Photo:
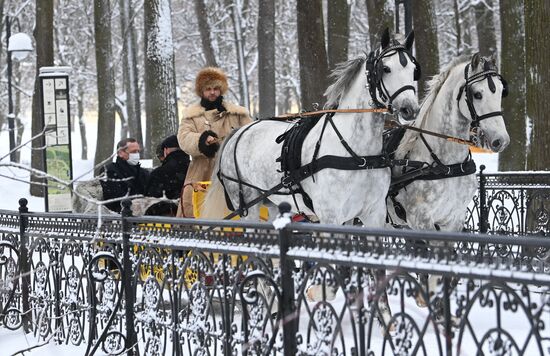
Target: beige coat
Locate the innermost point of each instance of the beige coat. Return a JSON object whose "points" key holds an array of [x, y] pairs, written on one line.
{"points": [[194, 122]]}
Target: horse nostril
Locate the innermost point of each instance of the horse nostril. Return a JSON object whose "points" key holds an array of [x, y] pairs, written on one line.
{"points": [[496, 144]]}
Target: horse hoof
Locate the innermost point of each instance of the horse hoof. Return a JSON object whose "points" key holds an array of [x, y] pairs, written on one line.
{"points": [[314, 293]]}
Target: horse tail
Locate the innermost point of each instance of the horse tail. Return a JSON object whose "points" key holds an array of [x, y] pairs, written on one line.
{"points": [[214, 205]]}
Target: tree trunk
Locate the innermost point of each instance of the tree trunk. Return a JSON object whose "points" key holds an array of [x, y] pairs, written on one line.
{"points": [[43, 34], [266, 58], [467, 27], [236, 17], [457, 28], [537, 47], [337, 31], [511, 20], [105, 82], [80, 113], [204, 30], [427, 51], [485, 25], [379, 19], [130, 71], [160, 80], [312, 53]]}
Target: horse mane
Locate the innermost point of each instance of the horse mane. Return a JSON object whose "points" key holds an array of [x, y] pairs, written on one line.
{"points": [[343, 75], [433, 86]]}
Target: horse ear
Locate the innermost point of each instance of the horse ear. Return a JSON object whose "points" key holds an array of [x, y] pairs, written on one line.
{"points": [[385, 39], [409, 41], [493, 60], [476, 58]]}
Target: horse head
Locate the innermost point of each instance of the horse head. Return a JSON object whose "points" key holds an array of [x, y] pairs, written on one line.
{"points": [[480, 99], [391, 72]]}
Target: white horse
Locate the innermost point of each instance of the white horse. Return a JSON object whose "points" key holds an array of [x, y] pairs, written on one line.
{"points": [[466, 95], [247, 160]]}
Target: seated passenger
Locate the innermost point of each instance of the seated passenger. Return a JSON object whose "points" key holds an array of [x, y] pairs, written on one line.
{"points": [[124, 176], [168, 178]]}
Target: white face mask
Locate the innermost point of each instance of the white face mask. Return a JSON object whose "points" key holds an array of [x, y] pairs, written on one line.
{"points": [[133, 158]]}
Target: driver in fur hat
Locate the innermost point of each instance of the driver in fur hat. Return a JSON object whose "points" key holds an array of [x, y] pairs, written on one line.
{"points": [[203, 127]]}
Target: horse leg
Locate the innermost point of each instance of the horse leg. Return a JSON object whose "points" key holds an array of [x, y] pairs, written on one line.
{"points": [[376, 218]]}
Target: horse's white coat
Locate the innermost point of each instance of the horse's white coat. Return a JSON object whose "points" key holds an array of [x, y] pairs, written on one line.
{"points": [[337, 195], [444, 202]]}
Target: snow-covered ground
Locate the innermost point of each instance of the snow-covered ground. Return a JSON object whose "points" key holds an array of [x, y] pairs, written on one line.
{"points": [[13, 342]]}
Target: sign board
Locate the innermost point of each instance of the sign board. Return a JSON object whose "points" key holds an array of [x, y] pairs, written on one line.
{"points": [[54, 88]]}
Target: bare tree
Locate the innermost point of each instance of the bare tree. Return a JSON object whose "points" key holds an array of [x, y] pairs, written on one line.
{"points": [[537, 72], [43, 34], [160, 78], [236, 9], [457, 27], [485, 25], [337, 31], [379, 19], [513, 70], [286, 56], [130, 70], [73, 49], [312, 52], [427, 51], [204, 30], [105, 82], [266, 58]]}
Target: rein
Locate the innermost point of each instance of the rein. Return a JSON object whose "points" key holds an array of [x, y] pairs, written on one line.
{"points": [[328, 111], [394, 124]]}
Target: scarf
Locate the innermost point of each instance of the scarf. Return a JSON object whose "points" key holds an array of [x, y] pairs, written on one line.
{"points": [[211, 105]]}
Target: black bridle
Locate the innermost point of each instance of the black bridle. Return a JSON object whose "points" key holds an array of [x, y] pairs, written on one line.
{"points": [[375, 73], [467, 89]]}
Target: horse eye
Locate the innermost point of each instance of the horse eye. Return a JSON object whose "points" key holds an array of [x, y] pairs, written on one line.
{"points": [[478, 96], [387, 69]]}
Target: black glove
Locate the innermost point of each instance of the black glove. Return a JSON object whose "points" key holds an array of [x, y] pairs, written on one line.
{"points": [[208, 150]]}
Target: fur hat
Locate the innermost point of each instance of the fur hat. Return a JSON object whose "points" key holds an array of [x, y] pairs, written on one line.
{"points": [[170, 142], [211, 76]]}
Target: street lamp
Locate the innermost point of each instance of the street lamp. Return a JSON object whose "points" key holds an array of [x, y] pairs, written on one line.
{"points": [[19, 45]]}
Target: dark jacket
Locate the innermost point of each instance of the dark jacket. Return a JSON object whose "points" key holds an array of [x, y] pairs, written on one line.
{"points": [[169, 177], [115, 187]]}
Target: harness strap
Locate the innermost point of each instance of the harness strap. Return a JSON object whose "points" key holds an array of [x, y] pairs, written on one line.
{"points": [[237, 170], [433, 172], [344, 143], [400, 90], [434, 156]]}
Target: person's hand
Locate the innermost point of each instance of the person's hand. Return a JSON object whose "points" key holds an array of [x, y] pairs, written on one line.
{"points": [[211, 140], [197, 187]]}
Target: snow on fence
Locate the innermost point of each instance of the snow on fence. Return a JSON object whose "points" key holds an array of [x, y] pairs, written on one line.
{"points": [[165, 286]]}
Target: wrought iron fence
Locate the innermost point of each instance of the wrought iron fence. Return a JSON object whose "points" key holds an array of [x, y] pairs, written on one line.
{"points": [[514, 203], [161, 286]]}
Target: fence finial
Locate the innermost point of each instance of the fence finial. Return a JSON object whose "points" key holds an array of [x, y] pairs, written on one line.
{"points": [[126, 207], [284, 216], [23, 203]]}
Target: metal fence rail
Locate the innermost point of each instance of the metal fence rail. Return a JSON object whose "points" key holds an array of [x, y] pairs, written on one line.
{"points": [[515, 203], [161, 286]]}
